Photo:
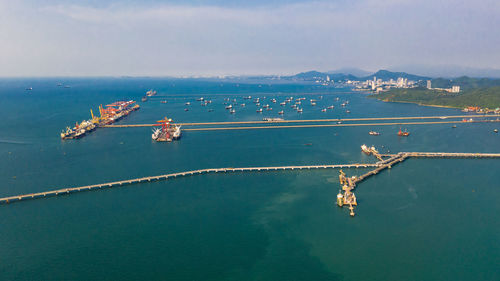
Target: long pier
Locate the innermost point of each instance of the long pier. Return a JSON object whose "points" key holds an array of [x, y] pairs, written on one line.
{"points": [[316, 120], [379, 166], [64, 191]]}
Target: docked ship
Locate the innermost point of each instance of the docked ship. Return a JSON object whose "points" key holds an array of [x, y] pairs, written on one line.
{"points": [[79, 130], [373, 133], [112, 113], [369, 150], [167, 132]]}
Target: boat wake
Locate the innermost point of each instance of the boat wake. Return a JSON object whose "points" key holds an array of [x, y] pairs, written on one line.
{"points": [[3, 141]]}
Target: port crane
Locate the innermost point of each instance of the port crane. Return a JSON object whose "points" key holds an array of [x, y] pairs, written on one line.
{"points": [[165, 129]]}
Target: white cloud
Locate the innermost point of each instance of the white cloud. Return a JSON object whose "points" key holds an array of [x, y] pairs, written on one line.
{"points": [[135, 39]]}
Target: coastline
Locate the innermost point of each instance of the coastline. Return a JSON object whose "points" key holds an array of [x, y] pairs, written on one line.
{"points": [[418, 103]]}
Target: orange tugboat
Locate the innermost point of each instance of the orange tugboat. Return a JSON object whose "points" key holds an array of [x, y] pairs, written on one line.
{"points": [[403, 134]]}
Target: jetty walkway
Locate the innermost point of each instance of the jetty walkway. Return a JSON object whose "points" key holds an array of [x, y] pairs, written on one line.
{"points": [[326, 120], [379, 166], [64, 191]]}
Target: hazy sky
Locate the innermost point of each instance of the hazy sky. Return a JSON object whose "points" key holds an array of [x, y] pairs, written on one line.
{"points": [[217, 37]]}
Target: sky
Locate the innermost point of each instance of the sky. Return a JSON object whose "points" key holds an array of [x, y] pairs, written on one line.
{"points": [[236, 37]]}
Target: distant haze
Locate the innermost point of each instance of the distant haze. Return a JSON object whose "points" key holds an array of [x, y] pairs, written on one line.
{"points": [[218, 37]]}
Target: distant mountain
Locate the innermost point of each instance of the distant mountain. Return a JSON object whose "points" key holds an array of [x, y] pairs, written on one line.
{"points": [[449, 71], [465, 82], [381, 74], [351, 71], [387, 75], [311, 75], [342, 76]]}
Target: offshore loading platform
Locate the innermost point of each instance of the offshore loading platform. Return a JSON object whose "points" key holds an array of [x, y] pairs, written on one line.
{"points": [[345, 197]]}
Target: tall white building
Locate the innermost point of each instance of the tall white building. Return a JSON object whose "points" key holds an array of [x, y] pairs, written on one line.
{"points": [[429, 84], [455, 89]]}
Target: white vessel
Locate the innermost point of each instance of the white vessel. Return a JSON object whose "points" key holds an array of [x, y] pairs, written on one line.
{"points": [[156, 134], [365, 149], [176, 132]]}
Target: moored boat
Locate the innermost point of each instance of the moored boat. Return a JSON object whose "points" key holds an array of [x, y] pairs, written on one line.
{"points": [[403, 133]]}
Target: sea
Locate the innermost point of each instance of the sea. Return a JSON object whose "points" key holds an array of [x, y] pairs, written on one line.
{"points": [[424, 219]]}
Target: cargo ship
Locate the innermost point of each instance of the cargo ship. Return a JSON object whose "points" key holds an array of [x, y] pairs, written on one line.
{"points": [[167, 132], [151, 93], [112, 113]]}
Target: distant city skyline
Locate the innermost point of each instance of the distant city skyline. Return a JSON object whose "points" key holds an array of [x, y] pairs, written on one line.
{"points": [[217, 37]]}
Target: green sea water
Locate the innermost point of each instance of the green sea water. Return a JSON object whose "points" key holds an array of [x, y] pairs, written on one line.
{"points": [[424, 219]]}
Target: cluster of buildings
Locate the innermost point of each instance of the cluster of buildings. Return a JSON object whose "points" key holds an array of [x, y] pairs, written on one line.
{"points": [[379, 85], [453, 89]]}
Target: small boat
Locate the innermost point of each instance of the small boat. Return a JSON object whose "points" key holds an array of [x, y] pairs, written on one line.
{"points": [[373, 133], [269, 108], [454, 126], [283, 103], [313, 103], [29, 89], [323, 110], [347, 111], [281, 112], [259, 110], [330, 107], [163, 101], [188, 103], [299, 110], [243, 105], [229, 107], [496, 130], [200, 99], [403, 134], [232, 111], [186, 109], [145, 98]]}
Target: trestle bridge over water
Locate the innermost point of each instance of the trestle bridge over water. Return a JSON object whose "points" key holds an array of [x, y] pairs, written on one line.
{"points": [[323, 123], [391, 160]]}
